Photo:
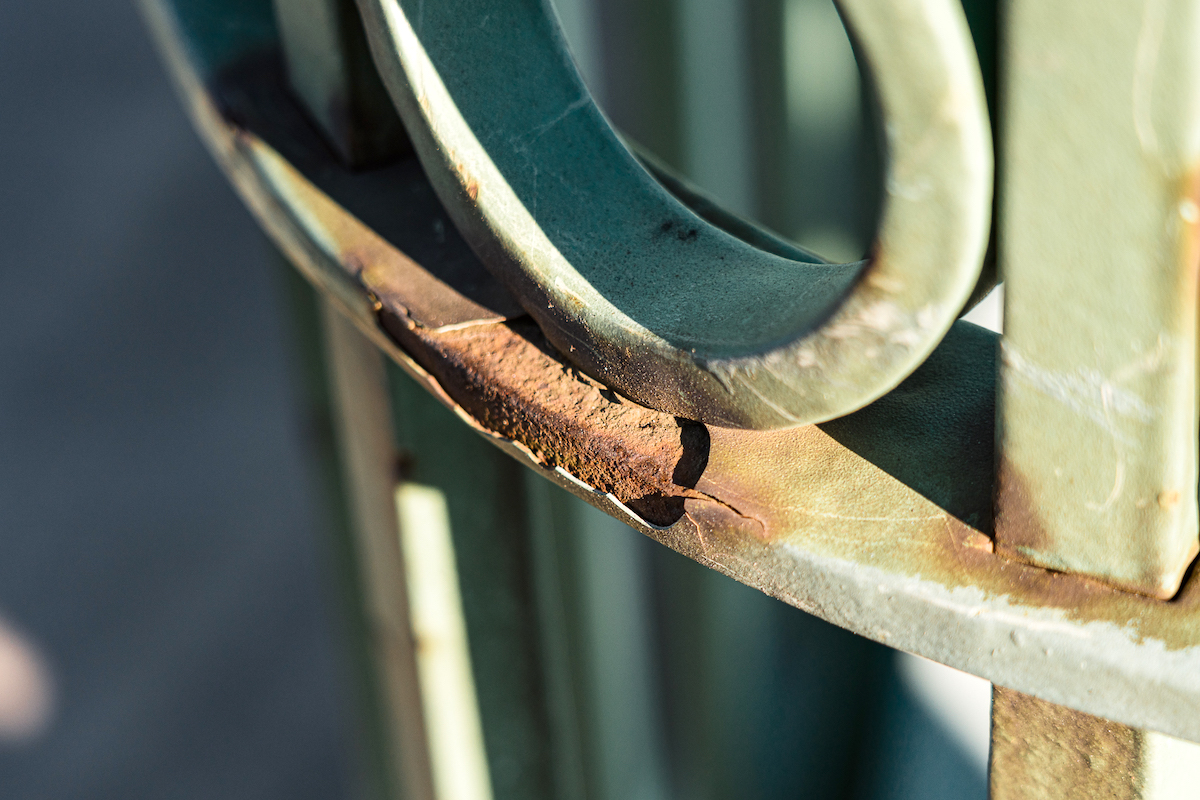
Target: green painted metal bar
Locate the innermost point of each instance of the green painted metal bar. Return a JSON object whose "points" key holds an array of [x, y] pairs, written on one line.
{"points": [[367, 458], [1097, 407], [374, 727], [488, 522], [330, 70], [1098, 404]]}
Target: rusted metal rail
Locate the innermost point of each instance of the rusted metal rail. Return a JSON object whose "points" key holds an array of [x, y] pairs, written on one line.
{"points": [[528, 272]]}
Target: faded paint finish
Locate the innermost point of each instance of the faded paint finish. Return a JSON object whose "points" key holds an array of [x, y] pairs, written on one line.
{"points": [[1098, 406], [1040, 750]]}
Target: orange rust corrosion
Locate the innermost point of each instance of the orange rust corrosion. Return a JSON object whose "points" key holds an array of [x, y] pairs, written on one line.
{"points": [[507, 377]]}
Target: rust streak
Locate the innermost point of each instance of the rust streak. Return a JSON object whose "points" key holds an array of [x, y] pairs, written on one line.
{"points": [[1018, 525]]}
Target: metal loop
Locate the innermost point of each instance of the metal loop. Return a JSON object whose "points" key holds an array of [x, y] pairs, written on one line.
{"points": [[634, 287]]}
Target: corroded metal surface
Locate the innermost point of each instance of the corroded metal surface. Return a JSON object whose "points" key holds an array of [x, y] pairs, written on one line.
{"points": [[1041, 750], [509, 379], [642, 293], [830, 518], [1098, 398]]}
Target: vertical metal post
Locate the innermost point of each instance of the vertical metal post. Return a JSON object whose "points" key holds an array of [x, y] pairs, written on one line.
{"points": [[1098, 408], [440, 525], [638, 39], [1041, 750], [330, 70], [598, 648], [487, 517], [1100, 225], [362, 424]]}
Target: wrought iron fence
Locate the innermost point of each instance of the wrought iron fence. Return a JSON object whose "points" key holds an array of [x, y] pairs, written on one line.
{"points": [[514, 295]]}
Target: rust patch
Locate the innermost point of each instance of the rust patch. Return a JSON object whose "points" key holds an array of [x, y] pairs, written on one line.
{"points": [[1019, 531], [469, 184], [398, 282], [1168, 500], [510, 379], [1076, 594], [717, 518], [1044, 750], [1020, 535], [1017, 522]]}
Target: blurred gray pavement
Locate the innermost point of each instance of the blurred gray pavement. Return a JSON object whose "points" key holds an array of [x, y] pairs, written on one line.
{"points": [[160, 541]]}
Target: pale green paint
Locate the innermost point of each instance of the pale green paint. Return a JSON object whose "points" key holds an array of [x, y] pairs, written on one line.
{"points": [[1098, 415]]}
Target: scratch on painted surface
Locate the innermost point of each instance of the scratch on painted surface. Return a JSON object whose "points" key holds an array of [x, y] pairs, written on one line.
{"points": [[1087, 391], [540, 130], [851, 518], [774, 406]]}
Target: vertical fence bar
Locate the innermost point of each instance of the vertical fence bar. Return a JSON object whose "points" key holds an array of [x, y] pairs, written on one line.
{"points": [[441, 526], [597, 618], [1041, 750], [368, 459], [488, 519], [1098, 409], [1097, 425], [330, 71]]}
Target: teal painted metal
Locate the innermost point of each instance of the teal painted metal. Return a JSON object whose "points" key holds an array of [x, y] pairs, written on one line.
{"points": [[362, 637], [637, 290], [877, 521], [330, 70], [489, 520]]}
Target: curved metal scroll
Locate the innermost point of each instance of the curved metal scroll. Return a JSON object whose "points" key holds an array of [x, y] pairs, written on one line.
{"points": [[639, 291]]}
